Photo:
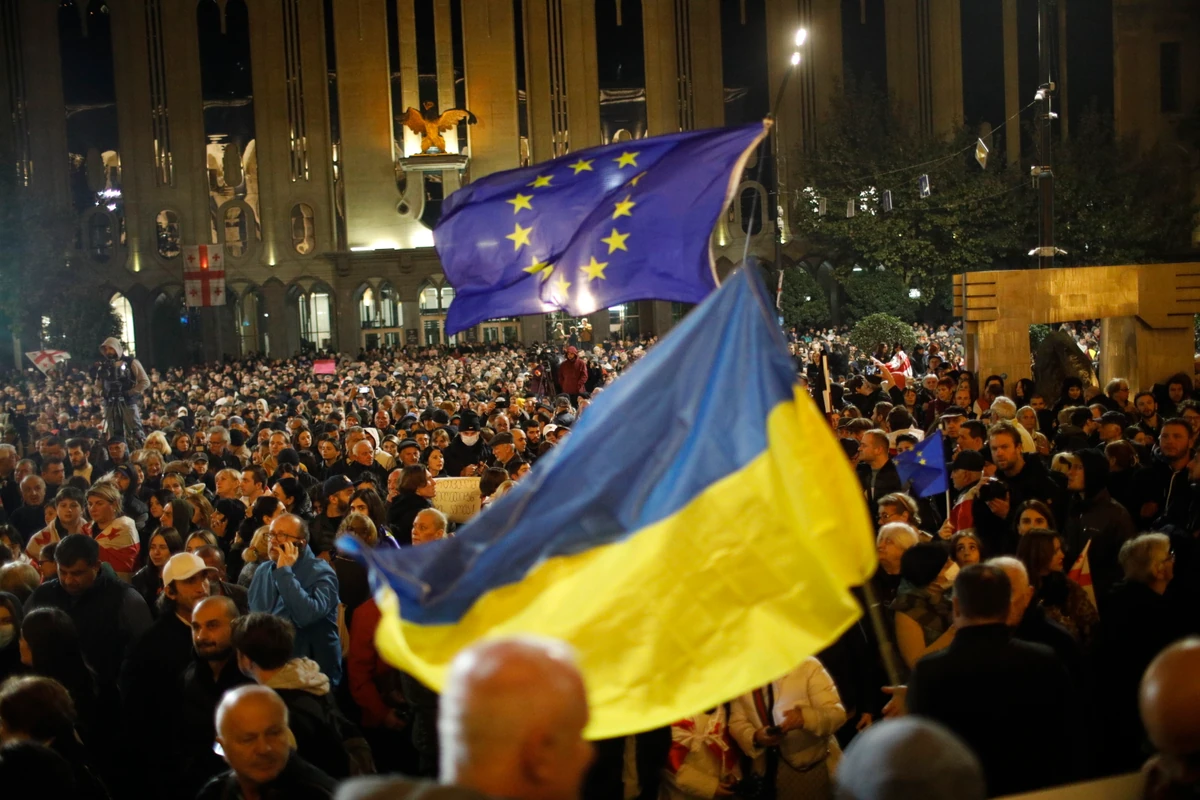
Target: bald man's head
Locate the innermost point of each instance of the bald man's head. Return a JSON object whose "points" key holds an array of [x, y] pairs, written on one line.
{"points": [[252, 727], [1170, 704], [511, 720], [1022, 591]]}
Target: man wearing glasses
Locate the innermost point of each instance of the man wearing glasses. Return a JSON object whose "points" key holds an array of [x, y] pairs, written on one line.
{"points": [[303, 589]]}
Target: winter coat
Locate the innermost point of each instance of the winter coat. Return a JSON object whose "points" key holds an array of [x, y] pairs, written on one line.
{"points": [[703, 756], [573, 374], [313, 716], [307, 595]]}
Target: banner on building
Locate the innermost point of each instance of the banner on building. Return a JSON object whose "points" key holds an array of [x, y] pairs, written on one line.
{"points": [[457, 498], [204, 275]]}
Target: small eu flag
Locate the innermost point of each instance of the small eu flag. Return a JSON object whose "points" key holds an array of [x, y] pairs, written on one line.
{"points": [[925, 467], [599, 227]]}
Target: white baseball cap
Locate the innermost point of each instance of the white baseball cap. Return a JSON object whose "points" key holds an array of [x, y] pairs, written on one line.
{"points": [[182, 566]]}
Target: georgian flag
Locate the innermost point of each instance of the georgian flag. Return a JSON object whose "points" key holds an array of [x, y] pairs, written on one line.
{"points": [[45, 359], [204, 275]]}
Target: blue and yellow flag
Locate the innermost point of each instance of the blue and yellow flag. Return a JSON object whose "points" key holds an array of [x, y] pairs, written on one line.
{"points": [[925, 466], [694, 537], [628, 221]]}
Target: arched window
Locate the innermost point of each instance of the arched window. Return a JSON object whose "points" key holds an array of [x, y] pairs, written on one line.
{"points": [[100, 237], [366, 309], [124, 313], [237, 231], [169, 233], [315, 320], [429, 299], [447, 297], [391, 315], [304, 239]]}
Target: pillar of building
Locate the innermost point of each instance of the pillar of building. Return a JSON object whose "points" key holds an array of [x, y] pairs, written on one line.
{"points": [[142, 305], [601, 323], [368, 167], [346, 325], [45, 113], [1143, 355], [281, 341], [563, 105], [924, 62], [1012, 91], [489, 53], [533, 328]]}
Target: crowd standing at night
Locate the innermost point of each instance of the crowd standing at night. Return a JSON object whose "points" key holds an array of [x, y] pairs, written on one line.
{"points": [[178, 583]]}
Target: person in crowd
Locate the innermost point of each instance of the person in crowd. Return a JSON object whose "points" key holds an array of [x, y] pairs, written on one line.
{"points": [[1095, 520], [900, 759], [69, 504], [197, 540], [1065, 602], [368, 503], [794, 717], [965, 548], [1026, 479], [164, 543], [1138, 622], [220, 450], [29, 517], [109, 614], [11, 613], [151, 675], [294, 497], [354, 588], [302, 589], [428, 526], [1029, 623], [116, 534], [415, 493], [212, 671], [533, 691], [39, 711], [704, 760], [1169, 702], [891, 542], [1017, 727], [923, 617], [467, 455], [50, 646], [337, 491], [1164, 482], [263, 644], [252, 730], [876, 470], [214, 558]]}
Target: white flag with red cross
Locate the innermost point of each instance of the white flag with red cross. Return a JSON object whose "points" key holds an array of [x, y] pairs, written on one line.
{"points": [[204, 275], [45, 359]]}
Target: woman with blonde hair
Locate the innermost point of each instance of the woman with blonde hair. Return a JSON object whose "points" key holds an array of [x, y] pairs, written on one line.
{"points": [[254, 555], [157, 441], [116, 534]]}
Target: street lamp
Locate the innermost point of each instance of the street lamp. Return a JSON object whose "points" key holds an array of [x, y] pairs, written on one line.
{"points": [[800, 38]]}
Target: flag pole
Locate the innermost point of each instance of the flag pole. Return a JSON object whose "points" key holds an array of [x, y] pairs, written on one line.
{"points": [[886, 653]]}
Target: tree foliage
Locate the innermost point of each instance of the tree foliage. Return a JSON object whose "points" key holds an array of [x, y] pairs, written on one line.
{"points": [[875, 291], [882, 329], [803, 302]]}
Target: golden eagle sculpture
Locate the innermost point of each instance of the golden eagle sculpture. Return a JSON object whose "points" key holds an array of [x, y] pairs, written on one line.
{"points": [[430, 125]]}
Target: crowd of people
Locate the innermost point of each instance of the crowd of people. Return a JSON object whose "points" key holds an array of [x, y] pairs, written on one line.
{"points": [[170, 579]]}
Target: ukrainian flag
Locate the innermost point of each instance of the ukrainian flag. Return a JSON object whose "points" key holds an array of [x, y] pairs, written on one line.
{"points": [[694, 537]]}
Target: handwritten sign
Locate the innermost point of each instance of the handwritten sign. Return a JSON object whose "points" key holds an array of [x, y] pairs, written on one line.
{"points": [[457, 498]]}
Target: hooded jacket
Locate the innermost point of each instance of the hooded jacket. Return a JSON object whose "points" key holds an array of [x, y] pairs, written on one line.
{"points": [[572, 373], [307, 595], [141, 381], [313, 715], [1094, 516]]}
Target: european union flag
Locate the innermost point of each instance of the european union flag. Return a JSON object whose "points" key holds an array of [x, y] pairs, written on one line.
{"points": [[925, 466], [709, 550], [627, 221]]}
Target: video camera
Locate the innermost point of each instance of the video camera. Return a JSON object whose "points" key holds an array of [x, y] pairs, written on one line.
{"points": [[115, 376]]}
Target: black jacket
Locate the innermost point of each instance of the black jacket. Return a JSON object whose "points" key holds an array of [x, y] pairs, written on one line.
{"points": [[1006, 699], [317, 724], [110, 616], [1107, 525], [299, 780], [202, 693], [1167, 489], [886, 482], [403, 512]]}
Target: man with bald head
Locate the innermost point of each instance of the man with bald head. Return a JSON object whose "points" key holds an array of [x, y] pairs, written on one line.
{"points": [[1030, 623], [212, 673], [303, 589], [510, 725], [1169, 700], [252, 730]]}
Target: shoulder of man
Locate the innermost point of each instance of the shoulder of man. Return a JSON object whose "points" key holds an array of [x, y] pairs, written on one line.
{"points": [[380, 788]]}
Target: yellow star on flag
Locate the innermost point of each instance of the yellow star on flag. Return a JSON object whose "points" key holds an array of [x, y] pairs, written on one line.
{"points": [[616, 241], [562, 285], [595, 269], [627, 160], [540, 181], [921, 462], [624, 208], [519, 236], [634, 181], [582, 166], [521, 201], [544, 267]]}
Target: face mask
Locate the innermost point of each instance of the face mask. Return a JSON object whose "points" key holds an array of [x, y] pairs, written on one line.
{"points": [[7, 634], [469, 439]]}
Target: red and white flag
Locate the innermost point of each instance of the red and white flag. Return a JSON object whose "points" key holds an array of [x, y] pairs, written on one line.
{"points": [[1081, 573], [45, 359], [204, 275]]}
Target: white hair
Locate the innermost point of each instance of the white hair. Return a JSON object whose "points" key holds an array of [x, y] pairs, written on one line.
{"points": [[901, 534], [1004, 408]]}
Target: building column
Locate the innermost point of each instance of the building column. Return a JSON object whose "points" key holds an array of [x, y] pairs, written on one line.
{"points": [[600, 322], [489, 54], [410, 310], [1012, 91], [45, 113], [142, 305], [347, 328], [924, 61], [564, 114], [280, 343], [1143, 355], [533, 328]]}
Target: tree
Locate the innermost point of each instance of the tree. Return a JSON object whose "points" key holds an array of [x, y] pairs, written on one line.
{"points": [[803, 303], [882, 329], [971, 220], [79, 322], [877, 291], [1116, 204]]}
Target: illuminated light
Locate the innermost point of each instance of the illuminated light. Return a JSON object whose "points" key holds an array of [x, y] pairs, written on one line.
{"points": [[795, 59], [914, 293], [801, 36], [857, 269]]}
